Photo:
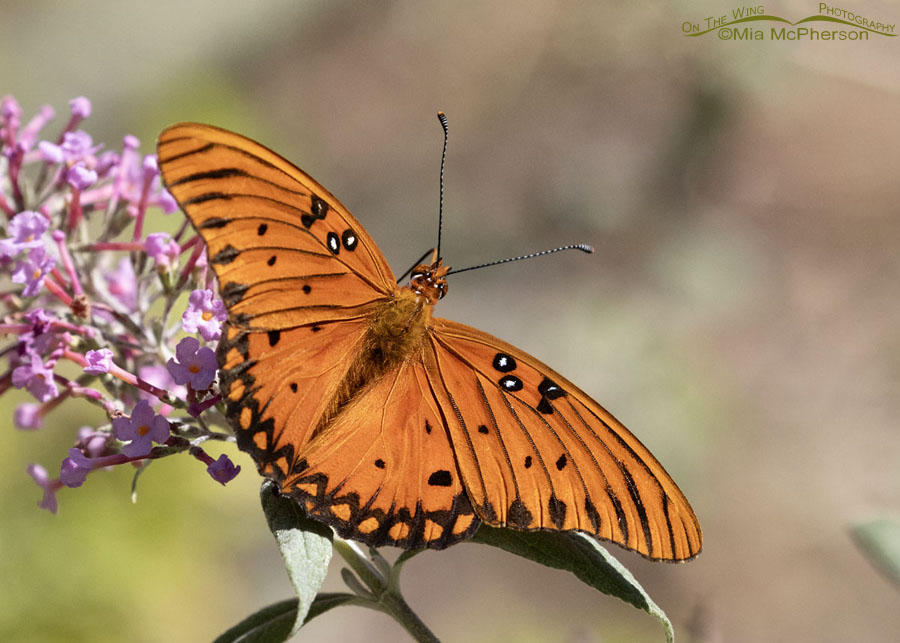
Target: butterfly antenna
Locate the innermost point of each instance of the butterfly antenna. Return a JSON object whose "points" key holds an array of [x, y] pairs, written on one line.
{"points": [[578, 246], [443, 119], [412, 267]]}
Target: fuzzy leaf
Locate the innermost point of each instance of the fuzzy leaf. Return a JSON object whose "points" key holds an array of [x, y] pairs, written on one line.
{"points": [[879, 541], [581, 555], [305, 545]]}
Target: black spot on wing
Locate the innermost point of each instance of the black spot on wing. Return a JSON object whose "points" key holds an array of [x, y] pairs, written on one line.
{"points": [[233, 292], [318, 211], [510, 383], [504, 363], [621, 519], [349, 240], [549, 389], [203, 198], [557, 510], [225, 256], [440, 478], [221, 173], [518, 514], [333, 243], [592, 514], [488, 513], [561, 462], [213, 223], [641, 510]]}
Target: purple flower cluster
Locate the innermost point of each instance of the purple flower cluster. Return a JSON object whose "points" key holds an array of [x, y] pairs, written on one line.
{"points": [[85, 271]]}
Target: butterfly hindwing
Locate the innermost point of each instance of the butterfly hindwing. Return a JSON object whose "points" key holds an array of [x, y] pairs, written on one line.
{"points": [[384, 471], [536, 452], [285, 250], [277, 385]]}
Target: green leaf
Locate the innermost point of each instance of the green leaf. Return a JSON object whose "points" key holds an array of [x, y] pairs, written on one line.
{"points": [[273, 624], [580, 554], [305, 546], [879, 541], [329, 600]]}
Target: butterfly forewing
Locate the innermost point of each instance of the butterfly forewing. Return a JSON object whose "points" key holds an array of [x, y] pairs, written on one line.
{"points": [[297, 272], [281, 245], [536, 452]]}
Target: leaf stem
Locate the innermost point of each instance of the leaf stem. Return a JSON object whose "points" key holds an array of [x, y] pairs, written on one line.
{"points": [[385, 588], [393, 604]]}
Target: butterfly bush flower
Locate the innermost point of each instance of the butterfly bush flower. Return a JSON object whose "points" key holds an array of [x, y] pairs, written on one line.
{"points": [[39, 474], [98, 361], [193, 365], [74, 469], [160, 247], [75, 146], [80, 177], [122, 284], [91, 280], [25, 232], [141, 430], [28, 416], [32, 270], [158, 375], [36, 377], [204, 314], [223, 470]]}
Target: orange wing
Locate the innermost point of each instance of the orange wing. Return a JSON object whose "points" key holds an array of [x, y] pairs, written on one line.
{"points": [[285, 252], [535, 452], [284, 248], [384, 471]]}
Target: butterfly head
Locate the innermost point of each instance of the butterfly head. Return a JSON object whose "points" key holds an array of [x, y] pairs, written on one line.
{"points": [[427, 280]]}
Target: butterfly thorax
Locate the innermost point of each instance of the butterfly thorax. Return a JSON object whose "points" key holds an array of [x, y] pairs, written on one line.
{"points": [[395, 334]]}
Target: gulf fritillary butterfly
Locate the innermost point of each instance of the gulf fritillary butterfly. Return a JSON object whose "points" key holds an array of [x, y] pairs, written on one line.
{"points": [[393, 426]]}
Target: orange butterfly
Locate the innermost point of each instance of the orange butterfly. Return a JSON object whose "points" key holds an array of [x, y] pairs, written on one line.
{"points": [[393, 426]]}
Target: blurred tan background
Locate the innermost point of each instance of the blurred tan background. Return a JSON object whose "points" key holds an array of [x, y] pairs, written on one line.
{"points": [[740, 314]]}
